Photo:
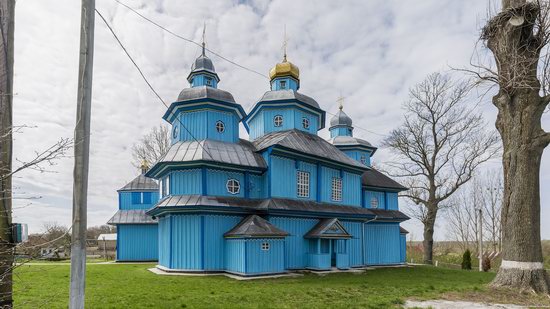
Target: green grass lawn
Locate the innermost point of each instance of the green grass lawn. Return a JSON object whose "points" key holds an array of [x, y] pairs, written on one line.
{"points": [[133, 286]]}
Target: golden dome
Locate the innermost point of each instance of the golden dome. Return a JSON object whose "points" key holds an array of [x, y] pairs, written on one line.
{"points": [[284, 68]]}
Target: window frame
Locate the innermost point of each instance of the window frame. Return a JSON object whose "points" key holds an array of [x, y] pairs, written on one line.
{"points": [[305, 123], [363, 159], [275, 121], [282, 84], [208, 81], [376, 203], [337, 185], [303, 182], [265, 246], [220, 124], [175, 131], [232, 184]]}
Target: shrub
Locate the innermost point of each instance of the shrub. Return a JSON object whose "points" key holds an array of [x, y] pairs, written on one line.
{"points": [[486, 265], [467, 260]]}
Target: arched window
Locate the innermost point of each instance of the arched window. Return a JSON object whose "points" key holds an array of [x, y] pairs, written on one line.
{"points": [[278, 121], [305, 123], [220, 126], [233, 186], [364, 159]]}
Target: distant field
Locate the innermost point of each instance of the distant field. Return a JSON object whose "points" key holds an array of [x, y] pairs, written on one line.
{"points": [[132, 286]]}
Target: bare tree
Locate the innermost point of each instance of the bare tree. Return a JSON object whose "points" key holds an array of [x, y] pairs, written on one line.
{"points": [[492, 206], [518, 38], [438, 147], [461, 218], [151, 146]]}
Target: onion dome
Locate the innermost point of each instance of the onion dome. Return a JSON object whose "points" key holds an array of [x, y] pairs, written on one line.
{"points": [[203, 65], [341, 119], [285, 68]]}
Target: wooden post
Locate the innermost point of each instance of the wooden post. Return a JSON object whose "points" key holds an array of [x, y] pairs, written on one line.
{"points": [[82, 152], [7, 12], [480, 250]]}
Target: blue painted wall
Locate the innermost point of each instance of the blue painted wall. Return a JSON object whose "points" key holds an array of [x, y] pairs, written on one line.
{"points": [[137, 200], [137, 242], [296, 247], [235, 255], [383, 243], [355, 246], [164, 240], [358, 156], [263, 121], [341, 131], [185, 243], [202, 125], [185, 182], [214, 243], [371, 196], [260, 261], [216, 183], [392, 201], [201, 80], [289, 83]]}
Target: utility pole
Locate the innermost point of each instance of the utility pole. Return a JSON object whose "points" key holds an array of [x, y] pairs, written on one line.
{"points": [[81, 156], [7, 15], [480, 236]]}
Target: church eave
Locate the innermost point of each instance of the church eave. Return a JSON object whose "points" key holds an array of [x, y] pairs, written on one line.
{"points": [[312, 158], [321, 114], [206, 103], [161, 168]]}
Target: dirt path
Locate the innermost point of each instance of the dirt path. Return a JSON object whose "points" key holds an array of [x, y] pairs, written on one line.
{"points": [[448, 304]]}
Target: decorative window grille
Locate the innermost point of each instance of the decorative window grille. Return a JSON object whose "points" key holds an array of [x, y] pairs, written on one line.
{"points": [[233, 186], [265, 246], [302, 184], [278, 121], [283, 84], [364, 159], [337, 189], [374, 202], [220, 126], [305, 123]]}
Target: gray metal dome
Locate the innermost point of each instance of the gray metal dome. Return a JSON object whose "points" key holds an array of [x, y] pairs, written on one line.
{"points": [[203, 63], [289, 94], [204, 92], [341, 119]]}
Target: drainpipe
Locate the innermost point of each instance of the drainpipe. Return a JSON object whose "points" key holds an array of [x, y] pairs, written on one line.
{"points": [[363, 236]]}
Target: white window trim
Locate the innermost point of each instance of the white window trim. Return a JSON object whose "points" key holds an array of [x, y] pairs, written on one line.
{"points": [[337, 186], [220, 124], [265, 246], [231, 184], [305, 122], [302, 184], [275, 121], [374, 202]]}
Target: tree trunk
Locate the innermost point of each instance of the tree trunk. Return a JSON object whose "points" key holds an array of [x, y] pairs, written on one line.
{"points": [[519, 124], [7, 9], [428, 242]]}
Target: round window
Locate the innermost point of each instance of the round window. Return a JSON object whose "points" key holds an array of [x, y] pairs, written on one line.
{"points": [[233, 186], [175, 131], [220, 126], [305, 123], [374, 202], [278, 121]]}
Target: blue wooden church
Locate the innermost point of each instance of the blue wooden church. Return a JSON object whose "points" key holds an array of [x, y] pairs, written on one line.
{"points": [[284, 200]]}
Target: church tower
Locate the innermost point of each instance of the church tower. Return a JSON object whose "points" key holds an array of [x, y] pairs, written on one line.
{"points": [[341, 133], [283, 107], [203, 111]]}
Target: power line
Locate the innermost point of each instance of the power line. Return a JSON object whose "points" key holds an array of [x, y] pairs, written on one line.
{"points": [[214, 53], [190, 41]]}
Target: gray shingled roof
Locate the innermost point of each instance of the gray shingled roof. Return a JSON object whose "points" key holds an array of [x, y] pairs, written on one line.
{"points": [[205, 92], [241, 153], [374, 178], [255, 226], [134, 216], [343, 140], [306, 143], [141, 183], [203, 63], [321, 228], [290, 94], [274, 205]]}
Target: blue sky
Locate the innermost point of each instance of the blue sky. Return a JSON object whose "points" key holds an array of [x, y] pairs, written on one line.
{"points": [[371, 52]]}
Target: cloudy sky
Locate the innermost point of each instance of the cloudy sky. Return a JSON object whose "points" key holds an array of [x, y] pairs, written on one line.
{"points": [[371, 52]]}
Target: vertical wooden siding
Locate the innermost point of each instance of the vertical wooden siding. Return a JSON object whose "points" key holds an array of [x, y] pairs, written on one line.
{"points": [[296, 247], [125, 201], [382, 243], [137, 242]]}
